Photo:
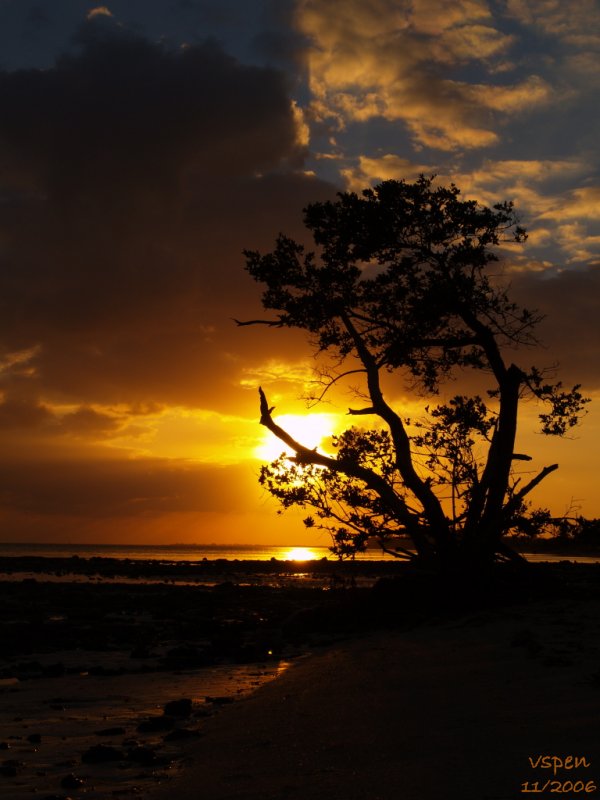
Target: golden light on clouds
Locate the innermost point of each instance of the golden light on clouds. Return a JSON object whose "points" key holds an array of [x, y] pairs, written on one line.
{"points": [[374, 60], [119, 349], [99, 11]]}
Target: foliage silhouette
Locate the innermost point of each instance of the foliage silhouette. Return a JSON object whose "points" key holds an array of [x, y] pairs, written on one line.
{"points": [[400, 282]]}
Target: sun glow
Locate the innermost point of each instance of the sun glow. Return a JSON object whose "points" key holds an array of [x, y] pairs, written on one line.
{"points": [[309, 430], [300, 554]]}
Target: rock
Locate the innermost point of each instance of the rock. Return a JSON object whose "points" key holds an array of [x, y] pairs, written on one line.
{"points": [[10, 767], [111, 732], [72, 782], [4, 746], [218, 701], [141, 652], [56, 797], [153, 724], [181, 733], [108, 672], [143, 755], [100, 753], [34, 738], [186, 656], [54, 670], [179, 708]]}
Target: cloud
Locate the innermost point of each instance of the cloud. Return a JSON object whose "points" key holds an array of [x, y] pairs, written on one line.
{"points": [[133, 176], [581, 203], [570, 332], [391, 60], [99, 11], [390, 166], [117, 487], [576, 22]]}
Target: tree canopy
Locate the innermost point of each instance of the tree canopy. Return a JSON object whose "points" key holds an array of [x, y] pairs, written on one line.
{"points": [[400, 281]]}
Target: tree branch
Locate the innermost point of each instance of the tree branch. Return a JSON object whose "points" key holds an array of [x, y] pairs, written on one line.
{"points": [[513, 503], [272, 323], [305, 455], [313, 400], [404, 463]]}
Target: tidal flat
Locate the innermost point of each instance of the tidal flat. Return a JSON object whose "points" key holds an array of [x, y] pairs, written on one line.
{"points": [[136, 679], [96, 653]]}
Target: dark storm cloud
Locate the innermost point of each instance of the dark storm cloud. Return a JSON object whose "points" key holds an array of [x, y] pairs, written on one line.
{"points": [[132, 176], [17, 413], [569, 333], [112, 488], [127, 113], [32, 33]]}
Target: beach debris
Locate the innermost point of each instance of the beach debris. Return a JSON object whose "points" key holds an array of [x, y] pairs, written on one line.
{"points": [[71, 781], [179, 708], [100, 753]]}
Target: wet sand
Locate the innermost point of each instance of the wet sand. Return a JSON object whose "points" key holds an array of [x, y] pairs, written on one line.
{"points": [[109, 736], [453, 709], [87, 671], [437, 703]]}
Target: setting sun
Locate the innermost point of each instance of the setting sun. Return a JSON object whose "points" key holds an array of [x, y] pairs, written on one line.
{"points": [[300, 554], [308, 429]]}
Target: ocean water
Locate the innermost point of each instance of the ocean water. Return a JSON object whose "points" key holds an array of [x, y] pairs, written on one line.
{"points": [[174, 552], [211, 552]]}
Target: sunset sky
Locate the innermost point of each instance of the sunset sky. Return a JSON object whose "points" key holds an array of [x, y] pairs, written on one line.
{"points": [[145, 143]]}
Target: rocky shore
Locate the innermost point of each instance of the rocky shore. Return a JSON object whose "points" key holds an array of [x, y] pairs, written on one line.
{"points": [[108, 666], [129, 680]]}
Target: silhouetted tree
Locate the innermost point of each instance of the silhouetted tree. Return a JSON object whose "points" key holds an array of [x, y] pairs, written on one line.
{"points": [[399, 283]]}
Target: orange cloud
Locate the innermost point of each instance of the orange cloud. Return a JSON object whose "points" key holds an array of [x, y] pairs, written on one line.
{"points": [[385, 60], [99, 11]]}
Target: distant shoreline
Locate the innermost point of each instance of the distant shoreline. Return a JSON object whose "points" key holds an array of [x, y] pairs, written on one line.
{"points": [[252, 552]]}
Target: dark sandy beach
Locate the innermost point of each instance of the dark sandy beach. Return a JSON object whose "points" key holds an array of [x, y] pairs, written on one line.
{"points": [[460, 708], [394, 692]]}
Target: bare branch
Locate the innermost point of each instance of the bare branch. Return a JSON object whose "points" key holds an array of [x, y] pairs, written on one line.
{"points": [[330, 382], [513, 503], [272, 323], [400, 552], [357, 411], [305, 455]]}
